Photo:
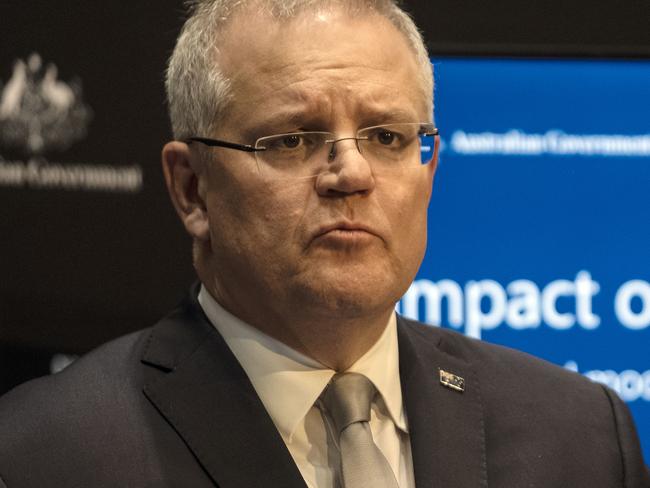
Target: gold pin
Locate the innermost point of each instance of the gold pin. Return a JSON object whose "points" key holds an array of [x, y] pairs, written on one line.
{"points": [[452, 381]]}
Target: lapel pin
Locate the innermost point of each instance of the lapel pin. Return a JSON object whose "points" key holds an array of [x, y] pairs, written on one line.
{"points": [[452, 381]]}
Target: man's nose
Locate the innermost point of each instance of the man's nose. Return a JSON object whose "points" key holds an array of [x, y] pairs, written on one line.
{"points": [[347, 172]]}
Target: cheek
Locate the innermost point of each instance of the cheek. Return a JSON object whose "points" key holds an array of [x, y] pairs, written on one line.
{"points": [[281, 207], [406, 203], [258, 218], [420, 194]]}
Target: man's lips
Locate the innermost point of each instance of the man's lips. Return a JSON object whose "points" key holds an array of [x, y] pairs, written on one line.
{"points": [[345, 231]]}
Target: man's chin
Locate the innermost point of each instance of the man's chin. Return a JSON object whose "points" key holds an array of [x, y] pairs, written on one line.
{"points": [[350, 292]]}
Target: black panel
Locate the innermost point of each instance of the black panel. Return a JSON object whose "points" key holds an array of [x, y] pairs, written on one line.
{"points": [[619, 28]]}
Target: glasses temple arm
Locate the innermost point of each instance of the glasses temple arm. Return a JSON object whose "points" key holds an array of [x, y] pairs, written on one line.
{"points": [[218, 143]]}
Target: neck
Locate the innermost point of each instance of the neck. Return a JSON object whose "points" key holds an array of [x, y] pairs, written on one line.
{"points": [[337, 343], [335, 338]]}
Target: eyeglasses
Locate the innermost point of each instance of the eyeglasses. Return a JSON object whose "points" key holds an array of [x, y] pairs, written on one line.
{"points": [[386, 147]]}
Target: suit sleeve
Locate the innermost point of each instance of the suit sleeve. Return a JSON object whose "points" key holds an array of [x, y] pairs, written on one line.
{"points": [[635, 473], [2, 483]]}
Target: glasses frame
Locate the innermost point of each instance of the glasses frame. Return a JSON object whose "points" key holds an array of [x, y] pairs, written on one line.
{"points": [[432, 132]]}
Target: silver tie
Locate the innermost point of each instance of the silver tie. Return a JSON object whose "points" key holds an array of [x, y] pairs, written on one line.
{"points": [[347, 400]]}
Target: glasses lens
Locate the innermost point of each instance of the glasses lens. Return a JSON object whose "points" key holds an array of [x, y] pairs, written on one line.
{"points": [[385, 147], [395, 146], [427, 144], [293, 154]]}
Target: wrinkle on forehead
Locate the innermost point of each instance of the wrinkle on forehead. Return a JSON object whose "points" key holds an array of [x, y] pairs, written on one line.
{"points": [[316, 105], [316, 82]]}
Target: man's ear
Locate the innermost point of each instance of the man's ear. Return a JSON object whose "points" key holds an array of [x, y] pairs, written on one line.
{"points": [[182, 179]]}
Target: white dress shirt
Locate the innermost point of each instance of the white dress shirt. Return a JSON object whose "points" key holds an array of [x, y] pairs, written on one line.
{"points": [[290, 383]]}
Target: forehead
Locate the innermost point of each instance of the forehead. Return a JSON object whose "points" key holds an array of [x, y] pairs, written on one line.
{"points": [[319, 62]]}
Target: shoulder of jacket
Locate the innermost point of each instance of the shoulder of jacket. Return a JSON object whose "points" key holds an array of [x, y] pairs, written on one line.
{"points": [[85, 384]]}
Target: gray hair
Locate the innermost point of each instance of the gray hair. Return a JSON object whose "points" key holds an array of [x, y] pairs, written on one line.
{"points": [[198, 91]]}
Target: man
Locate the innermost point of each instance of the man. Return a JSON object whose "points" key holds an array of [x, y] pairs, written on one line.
{"points": [[297, 171]]}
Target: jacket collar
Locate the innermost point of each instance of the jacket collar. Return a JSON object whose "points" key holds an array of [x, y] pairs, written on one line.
{"points": [[207, 398], [446, 425]]}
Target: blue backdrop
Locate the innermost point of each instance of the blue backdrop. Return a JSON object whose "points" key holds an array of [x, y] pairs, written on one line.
{"points": [[539, 227]]}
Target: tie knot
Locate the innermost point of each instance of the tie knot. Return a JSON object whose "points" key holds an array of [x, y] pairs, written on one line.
{"points": [[347, 399]]}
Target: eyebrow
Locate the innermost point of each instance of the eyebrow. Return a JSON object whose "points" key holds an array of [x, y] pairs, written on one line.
{"points": [[284, 118], [368, 116], [378, 116]]}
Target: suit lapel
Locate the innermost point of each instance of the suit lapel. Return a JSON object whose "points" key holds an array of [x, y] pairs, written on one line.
{"points": [[207, 398], [446, 426]]}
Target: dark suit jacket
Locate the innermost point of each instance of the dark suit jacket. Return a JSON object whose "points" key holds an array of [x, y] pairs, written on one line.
{"points": [[170, 406]]}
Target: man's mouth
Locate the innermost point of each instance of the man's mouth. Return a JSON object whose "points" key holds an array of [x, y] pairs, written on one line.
{"points": [[345, 233]]}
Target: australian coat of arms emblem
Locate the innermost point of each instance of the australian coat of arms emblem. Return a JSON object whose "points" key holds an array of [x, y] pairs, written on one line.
{"points": [[39, 112]]}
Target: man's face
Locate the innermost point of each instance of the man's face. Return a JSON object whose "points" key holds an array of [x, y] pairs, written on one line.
{"points": [[348, 241]]}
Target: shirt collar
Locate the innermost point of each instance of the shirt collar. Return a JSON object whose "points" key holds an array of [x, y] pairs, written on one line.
{"points": [[289, 382]]}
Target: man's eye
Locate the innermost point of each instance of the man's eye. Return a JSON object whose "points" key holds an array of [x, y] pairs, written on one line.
{"points": [[292, 141], [386, 138]]}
